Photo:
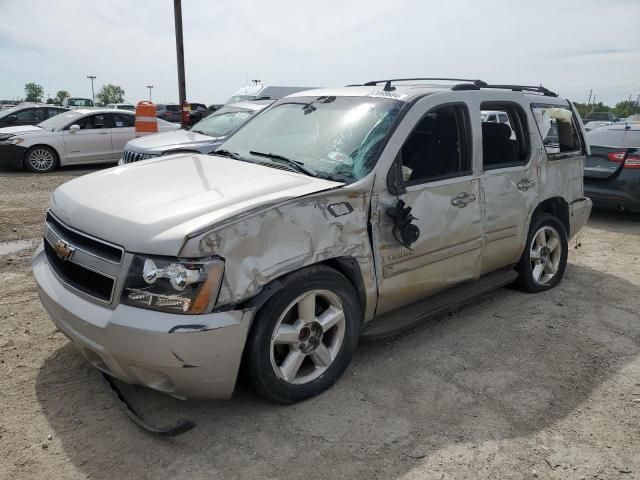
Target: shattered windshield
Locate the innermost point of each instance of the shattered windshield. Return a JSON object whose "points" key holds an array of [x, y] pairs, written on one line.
{"points": [[334, 137]]}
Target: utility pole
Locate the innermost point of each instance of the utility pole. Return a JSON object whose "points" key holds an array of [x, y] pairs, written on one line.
{"points": [[149, 87], [182, 94], [590, 92], [92, 78]]}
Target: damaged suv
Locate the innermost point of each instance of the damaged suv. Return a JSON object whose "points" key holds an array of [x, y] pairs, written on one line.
{"points": [[334, 214]]}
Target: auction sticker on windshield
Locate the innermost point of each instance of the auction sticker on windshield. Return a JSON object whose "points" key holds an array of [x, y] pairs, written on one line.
{"points": [[385, 94]]}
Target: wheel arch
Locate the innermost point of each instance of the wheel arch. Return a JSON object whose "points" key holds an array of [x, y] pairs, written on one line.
{"points": [[556, 206], [36, 145], [347, 266]]}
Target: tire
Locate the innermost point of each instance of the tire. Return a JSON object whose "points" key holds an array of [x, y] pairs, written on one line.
{"points": [[545, 272], [40, 159], [320, 346]]}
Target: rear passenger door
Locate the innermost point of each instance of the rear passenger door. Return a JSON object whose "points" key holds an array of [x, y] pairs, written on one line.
{"points": [[122, 130], [510, 181], [443, 192]]}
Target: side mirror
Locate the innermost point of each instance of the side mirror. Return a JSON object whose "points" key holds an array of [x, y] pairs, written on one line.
{"points": [[74, 128], [12, 119]]}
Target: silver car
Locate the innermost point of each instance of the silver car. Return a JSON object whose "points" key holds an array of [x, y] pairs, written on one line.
{"points": [[74, 137], [204, 137], [333, 215]]}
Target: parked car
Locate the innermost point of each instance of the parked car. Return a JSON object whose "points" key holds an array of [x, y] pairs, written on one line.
{"points": [[197, 111], [204, 137], [214, 107], [596, 124], [28, 114], [599, 117], [612, 171], [255, 91], [77, 102], [121, 106], [169, 112], [334, 214], [73, 137]]}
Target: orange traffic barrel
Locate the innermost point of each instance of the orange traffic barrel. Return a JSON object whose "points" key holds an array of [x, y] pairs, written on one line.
{"points": [[146, 120]]}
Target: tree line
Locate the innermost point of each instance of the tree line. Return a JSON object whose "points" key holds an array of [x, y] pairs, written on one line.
{"points": [[108, 93]]}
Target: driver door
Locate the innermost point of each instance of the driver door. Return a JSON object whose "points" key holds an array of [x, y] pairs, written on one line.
{"points": [[440, 186], [92, 143]]}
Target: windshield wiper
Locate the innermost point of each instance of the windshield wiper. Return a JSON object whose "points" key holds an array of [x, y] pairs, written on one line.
{"points": [[227, 153], [294, 164]]}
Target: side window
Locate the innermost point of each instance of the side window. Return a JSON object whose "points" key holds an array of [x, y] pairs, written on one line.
{"points": [[27, 115], [122, 121], [40, 115], [438, 147], [558, 128], [52, 112], [505, 142], [90, 123]]}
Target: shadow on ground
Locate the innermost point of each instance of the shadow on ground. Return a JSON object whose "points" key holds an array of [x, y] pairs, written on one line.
{"points": [[509, 365], [614, 221]]}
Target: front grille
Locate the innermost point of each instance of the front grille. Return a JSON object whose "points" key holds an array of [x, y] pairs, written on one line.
{"points": [[129, 156], [86, 281], [90, 245]]}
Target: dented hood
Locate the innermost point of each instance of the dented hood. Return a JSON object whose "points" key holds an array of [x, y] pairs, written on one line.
{"points": [[151, 206]]}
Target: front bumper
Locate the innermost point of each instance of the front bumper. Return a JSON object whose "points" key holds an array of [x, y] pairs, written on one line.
{"points": [[190, 356], [579, 212], [11, 155]]}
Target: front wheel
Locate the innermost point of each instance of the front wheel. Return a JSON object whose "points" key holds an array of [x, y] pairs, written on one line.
{"points": [[40, 159], [545, 255], [304, 337]]}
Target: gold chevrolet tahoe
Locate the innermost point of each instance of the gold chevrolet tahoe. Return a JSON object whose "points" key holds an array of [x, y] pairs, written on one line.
{"points": [[332, 215]]}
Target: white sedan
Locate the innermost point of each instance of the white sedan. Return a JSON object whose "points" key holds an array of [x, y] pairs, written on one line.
{"points": [[74, 137]]}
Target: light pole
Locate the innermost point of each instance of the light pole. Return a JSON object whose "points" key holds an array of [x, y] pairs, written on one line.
{"points": [[149, 87], [182, 95], [92, 78]]}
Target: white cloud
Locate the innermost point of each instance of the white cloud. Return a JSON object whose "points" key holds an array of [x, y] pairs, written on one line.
{"points": [[570, 46]]}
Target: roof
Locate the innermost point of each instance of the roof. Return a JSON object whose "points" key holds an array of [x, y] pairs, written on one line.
{"points": [[407, 90], [252, 104], [101, 110]]}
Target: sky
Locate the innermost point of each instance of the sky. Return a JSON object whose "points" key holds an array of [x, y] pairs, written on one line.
{"points": [[569, 46]]}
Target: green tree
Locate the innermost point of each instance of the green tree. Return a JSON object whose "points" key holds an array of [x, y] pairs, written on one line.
{"points": [[110, 94], [33, 92], [625, 108], [61, 95], [50, 101]]}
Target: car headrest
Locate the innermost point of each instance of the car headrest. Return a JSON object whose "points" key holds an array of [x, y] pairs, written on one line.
{"points": [[494, 130]]}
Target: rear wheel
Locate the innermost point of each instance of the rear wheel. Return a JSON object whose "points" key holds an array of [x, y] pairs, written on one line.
{"points": [[40, 159], [305, 335], [544, 259]]}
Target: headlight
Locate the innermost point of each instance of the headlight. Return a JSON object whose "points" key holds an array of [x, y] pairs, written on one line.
{"points": [[173, 285], [13, 140]]}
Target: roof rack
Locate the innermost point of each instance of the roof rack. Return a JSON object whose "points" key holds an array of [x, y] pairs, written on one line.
{"points": [[516, 88], [388, 87]]}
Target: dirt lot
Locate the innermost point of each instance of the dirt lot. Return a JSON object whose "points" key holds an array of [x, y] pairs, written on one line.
{"points": [[513, 386]]}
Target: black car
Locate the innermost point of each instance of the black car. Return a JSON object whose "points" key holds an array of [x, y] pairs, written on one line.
{"points": [[28, 114], [612, 171]]}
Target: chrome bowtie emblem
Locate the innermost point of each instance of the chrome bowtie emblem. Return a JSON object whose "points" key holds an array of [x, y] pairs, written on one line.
{"points": [[63, 250]]}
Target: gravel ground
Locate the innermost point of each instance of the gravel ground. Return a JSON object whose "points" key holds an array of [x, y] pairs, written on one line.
{"points": [[512, 386]]}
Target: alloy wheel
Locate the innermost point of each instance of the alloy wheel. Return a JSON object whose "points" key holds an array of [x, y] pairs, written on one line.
{"points": [[545, 254], [307, 337], [41, 159]]}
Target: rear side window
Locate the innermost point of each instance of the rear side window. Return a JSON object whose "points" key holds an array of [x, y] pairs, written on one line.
{"points": [[173, 108], [122, 121], [558, 129], [438, 147], [505, 143]]}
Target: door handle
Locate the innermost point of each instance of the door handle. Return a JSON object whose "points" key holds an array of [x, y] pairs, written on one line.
{"points": [[462, 199], [525, 184]]}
